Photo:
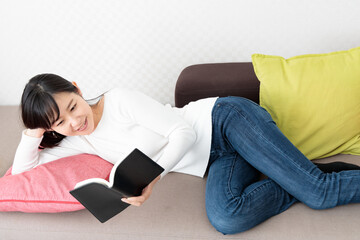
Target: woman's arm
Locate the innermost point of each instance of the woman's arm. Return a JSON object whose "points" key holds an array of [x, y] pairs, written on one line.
{"points": [[28, 155], [27, 152], [153, 115]]}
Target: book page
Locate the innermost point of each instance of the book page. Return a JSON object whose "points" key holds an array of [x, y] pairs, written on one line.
{"points": [[113, 171], [92, 180]]}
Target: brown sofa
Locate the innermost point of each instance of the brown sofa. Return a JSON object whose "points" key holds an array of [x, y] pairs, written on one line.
{"points": [[176, 209]]}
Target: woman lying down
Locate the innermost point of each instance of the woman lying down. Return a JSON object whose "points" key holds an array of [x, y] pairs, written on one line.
{"points": [[232, 136]]}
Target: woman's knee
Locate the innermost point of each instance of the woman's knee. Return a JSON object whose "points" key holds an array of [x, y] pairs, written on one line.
{"points": [[227, 223], [231, 217]]}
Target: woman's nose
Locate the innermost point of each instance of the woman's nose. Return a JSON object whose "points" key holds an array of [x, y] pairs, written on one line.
{"points": [[75, 123]]}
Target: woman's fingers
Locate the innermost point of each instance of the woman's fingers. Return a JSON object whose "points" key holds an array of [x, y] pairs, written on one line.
{"points": [[139, 200], [136, 201]]}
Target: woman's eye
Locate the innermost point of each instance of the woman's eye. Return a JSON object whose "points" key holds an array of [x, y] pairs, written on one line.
{"points": [[60, 123], [73, 108]]}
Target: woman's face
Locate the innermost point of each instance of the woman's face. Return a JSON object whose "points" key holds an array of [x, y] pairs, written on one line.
{"points": [[76, 116]]}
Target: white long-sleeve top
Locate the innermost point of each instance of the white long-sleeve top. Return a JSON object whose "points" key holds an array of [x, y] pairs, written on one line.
{"points": [[178, 139]]}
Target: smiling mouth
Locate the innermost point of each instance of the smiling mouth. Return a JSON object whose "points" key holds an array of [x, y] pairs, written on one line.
{"points": [[84, 126]]}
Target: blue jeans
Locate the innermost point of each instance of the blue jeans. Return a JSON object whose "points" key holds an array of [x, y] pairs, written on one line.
{"points": [[245, 142]]}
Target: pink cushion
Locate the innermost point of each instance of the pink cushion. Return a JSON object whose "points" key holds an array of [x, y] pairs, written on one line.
{"points": [[46, 187]]}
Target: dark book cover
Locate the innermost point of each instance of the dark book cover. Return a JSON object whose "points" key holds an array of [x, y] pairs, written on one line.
{"points": [[128, 178]]}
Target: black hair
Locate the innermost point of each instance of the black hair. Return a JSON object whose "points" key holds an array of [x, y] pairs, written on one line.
{"points": [[38, 106]]}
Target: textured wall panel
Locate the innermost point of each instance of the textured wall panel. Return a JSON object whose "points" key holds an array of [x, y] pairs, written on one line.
{"points": [[144, 44]]}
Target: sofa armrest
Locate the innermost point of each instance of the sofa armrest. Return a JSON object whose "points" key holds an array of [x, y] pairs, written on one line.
{"points": [[216, 79]]}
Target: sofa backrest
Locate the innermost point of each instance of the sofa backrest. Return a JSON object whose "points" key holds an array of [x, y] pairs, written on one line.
{"points": [[216, 79]]}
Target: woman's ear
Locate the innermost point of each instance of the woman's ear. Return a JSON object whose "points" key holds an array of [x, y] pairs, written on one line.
{"points": [[74, 83]]}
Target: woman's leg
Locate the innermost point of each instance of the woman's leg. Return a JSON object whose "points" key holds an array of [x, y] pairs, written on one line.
{"points": [[251, 132], [235, 198]]}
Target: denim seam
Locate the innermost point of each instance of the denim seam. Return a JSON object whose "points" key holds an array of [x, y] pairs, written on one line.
{"points": [[252, 192], [230, 177], [243, 197], [275, 147], [220, 151]]}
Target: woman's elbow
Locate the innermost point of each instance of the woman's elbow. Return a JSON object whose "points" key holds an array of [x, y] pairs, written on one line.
{"points": [[191, 135]]}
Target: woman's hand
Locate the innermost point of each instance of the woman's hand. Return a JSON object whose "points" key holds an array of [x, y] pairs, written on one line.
{"points": [[38, 132], [139, 200]]}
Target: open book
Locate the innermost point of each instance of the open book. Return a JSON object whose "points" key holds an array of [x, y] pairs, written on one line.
{"points": [[127, 178]]}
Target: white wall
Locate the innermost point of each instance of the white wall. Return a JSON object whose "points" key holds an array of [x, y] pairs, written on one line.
{"points": [[144, 44]]}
